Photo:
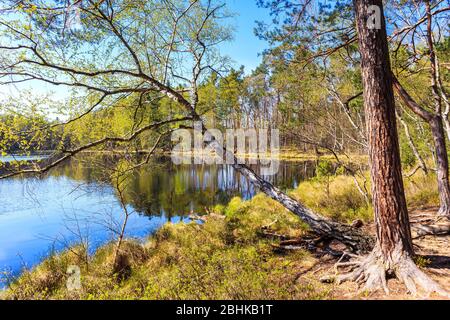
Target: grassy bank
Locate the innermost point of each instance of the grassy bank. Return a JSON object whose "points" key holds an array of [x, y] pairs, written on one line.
{"points": [[227, 257], [284, 154]]}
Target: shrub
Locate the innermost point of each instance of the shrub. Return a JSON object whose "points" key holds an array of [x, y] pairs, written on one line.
{"points": [[343, 201], [422, 190]]}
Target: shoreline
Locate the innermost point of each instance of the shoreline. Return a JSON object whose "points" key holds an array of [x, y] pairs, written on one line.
{"points": [[282, 155]]}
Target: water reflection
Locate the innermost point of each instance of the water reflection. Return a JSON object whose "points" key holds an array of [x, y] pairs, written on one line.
{"points": [[18, 157], [164, 189]]}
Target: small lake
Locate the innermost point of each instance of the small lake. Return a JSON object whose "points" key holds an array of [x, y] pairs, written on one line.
{"points": [[73, 202], [12, 158]]}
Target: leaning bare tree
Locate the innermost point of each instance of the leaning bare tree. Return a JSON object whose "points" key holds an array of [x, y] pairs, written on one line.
{"points": [[141, 48]]}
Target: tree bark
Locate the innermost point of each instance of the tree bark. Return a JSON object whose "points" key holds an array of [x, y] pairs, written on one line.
{"points": [[389, 200], [437, 126], [445, 115]]}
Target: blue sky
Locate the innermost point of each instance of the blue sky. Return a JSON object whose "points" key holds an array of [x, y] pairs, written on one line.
{"points": [[246, 46], [244, 50]]}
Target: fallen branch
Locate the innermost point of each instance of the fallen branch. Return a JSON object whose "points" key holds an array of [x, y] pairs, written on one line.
{"points": [[431, 230]]}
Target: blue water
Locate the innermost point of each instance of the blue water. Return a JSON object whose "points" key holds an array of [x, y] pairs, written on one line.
{"points": [[38, 216], [11, 158]]}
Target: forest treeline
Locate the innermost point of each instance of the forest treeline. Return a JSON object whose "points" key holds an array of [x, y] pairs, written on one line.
{"points": [[316, 107]]}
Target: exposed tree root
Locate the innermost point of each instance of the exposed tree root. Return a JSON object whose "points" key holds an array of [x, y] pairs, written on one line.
{"points": [[444, 212], [371, 273]]}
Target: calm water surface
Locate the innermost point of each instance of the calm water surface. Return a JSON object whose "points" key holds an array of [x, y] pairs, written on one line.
{"points": [[12, 158], [38, 215]]}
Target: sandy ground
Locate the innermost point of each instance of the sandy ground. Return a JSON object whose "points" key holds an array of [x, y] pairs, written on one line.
{"points": [[435, 252]]}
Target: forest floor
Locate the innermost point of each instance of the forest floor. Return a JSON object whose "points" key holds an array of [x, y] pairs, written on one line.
{"points": [[434, 253]]}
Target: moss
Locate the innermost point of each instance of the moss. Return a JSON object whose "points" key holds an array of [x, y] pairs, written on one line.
{"points": [[262, 212], [234, 207], [219, 209]]}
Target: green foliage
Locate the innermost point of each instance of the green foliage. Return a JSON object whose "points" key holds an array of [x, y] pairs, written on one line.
{"points": [[422, 262], [233, 207], [340, 170], [407, 155], [324, 169], [337, 198], [421, 190], [21, 134], [224, 258]]}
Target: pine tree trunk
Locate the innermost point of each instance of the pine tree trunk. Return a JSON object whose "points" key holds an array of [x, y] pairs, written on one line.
{"points": [[391, 215]]}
